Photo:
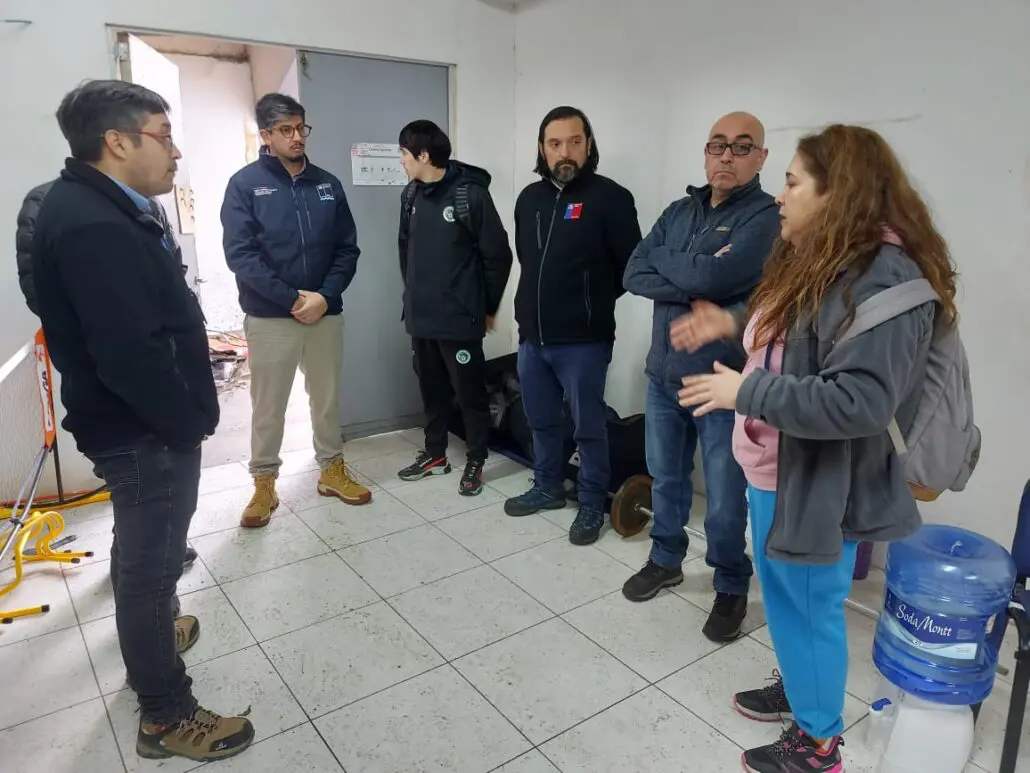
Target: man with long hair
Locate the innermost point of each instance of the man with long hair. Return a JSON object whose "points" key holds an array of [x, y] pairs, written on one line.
{"points": [[710, 245], [574, 232], [815, 409]]}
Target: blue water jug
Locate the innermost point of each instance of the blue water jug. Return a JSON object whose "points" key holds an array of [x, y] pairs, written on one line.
{"points": [[945, 586]]}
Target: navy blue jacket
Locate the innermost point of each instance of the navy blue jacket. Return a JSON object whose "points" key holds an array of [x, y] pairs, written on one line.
{"points": [[282, 234], [678, 262]]}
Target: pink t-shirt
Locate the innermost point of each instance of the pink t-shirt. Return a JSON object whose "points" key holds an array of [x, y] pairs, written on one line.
{"points": [[755, 443]]}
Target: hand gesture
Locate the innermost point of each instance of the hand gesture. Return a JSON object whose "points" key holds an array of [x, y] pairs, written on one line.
{"points": [[711, 392], [705, 323]]}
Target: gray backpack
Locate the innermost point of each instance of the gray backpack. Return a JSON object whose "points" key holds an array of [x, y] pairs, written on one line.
{"points": [[942, 447]]}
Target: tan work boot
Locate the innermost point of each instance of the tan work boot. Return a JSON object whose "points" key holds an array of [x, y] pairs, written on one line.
{"points": [[203, 737], [262, 504], [335, 481], [187, 631]]}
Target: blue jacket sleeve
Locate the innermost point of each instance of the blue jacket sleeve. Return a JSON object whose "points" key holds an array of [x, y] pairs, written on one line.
{"points": [[643, 279], [243, 251], [345, 250], [735, 272]]}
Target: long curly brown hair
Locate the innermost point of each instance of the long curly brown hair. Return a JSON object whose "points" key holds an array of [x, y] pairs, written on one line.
{"points": [[867, 189]]}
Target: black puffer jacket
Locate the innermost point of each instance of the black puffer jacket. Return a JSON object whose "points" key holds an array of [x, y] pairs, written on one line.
{"points": [[27, 227]]}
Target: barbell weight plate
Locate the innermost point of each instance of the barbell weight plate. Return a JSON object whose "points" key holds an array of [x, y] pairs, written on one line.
{"points": [[635, 493]]}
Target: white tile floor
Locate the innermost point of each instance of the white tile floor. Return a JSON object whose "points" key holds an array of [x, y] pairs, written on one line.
{"points": [[423, 632]]}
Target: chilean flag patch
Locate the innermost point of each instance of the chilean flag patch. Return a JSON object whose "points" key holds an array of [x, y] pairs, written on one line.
{"points": [[573, 211]]}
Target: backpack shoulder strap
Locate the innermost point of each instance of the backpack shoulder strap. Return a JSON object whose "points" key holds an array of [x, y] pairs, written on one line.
{"points": [[407, 200], [888, 304], [877, 309]]}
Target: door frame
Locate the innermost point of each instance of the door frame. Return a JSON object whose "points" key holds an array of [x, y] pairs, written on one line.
{"points": [[115, 65]]}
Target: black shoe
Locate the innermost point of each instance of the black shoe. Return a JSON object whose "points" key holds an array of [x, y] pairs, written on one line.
{"points": [[425, 465], [766, 704], [646, 583], [191, 556], [472, 479], [726, 618], [586, 529], [533, 501]]}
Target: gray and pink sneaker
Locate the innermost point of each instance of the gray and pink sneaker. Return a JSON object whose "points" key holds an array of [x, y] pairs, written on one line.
{"points": [[795, 752]]}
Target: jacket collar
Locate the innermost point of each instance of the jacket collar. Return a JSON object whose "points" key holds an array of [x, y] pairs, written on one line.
{"points": [[86, 174], [275, 166], [704, 193]]}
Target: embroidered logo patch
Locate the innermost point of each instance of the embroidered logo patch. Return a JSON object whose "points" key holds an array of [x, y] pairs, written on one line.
{"points": [[448, 215], [574, 211], [325, 192], [264, 190], [463, 357]]}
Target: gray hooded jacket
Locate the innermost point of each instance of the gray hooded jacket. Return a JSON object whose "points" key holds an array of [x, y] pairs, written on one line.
{"points": [[838, 476]]}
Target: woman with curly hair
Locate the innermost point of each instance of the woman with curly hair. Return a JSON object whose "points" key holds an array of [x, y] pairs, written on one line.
{"points": [[812, 416]]}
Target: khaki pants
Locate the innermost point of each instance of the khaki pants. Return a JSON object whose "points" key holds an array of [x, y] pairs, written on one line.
{"points": [[276, 347]]}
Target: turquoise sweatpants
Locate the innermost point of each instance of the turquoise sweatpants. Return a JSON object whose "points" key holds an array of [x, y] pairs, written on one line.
{"points": [[804, 606]]}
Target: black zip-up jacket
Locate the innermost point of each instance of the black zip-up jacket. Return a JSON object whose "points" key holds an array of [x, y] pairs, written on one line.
{"points": [[282, 234], [453, 277], [122, 326], [573, 244], [27, 227]]}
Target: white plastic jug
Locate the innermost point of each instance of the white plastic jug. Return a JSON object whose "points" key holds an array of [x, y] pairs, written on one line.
{"points": [[919, 737]]}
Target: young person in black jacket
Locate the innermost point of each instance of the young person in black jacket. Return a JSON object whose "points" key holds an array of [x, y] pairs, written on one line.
{"points": [[574, 233], [455, 261], [129, 340]]}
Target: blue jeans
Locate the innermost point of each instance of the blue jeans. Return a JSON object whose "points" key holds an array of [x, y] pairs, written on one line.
{"points": [[154, 494], [549, 375], [804, 606], [672, 435]]}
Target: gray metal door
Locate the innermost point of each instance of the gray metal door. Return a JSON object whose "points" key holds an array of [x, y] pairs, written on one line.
{"points": [[351, 100]]}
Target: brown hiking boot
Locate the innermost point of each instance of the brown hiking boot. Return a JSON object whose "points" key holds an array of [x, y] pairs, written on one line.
{"points": [[187, 631], [262, 504], [203, 737], [335, 481]]}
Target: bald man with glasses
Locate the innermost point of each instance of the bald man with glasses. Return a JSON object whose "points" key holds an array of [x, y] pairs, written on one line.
{"points": [[710, 245]]}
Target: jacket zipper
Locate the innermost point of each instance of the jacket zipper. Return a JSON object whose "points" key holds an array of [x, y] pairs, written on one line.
{"points": [[175, 364], [300, 224], [540, 274], [586, 298]]}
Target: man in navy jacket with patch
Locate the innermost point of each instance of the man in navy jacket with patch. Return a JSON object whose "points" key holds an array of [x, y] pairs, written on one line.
{"points": [[290, 238], [710, 245]]}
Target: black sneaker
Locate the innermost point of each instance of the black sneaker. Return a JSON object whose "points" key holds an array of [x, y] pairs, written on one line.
{"points": [[533, 501], [726, 618], [795, 751], [766, 704], [425, 465], [586, 529], [646, 583], [191, 557], [472, 479]]}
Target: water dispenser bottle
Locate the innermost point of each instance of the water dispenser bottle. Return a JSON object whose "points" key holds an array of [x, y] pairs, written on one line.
{"points": [[945, 586]]}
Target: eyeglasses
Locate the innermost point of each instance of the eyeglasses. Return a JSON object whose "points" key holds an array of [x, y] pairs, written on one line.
{"points": [[288, 131], [164, 139], [736, 148]]}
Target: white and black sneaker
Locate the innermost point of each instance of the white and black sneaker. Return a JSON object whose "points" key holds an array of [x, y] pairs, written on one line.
{"points": [[424, 466]]}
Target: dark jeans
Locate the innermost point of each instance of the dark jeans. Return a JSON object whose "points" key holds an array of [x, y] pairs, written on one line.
{"points": [[154, 494], [577, 373], [672, 435], [449, 369]]}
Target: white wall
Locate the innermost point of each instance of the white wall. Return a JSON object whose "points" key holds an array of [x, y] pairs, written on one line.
{"points": [[268, 67], [217, 105], [68, 41], [655, 74]]}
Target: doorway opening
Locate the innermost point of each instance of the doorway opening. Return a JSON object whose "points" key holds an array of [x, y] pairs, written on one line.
{"points": [[356, 106]]}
